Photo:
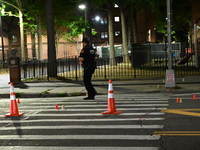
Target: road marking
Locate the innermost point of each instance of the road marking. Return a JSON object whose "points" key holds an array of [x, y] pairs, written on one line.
{"points": [[85, 127], [92, 109], [71, 103], [82, 137], [74, 148], [182, 112], [177, 133], [82, 120], [97, 105], [190, 94], [97, 114]]}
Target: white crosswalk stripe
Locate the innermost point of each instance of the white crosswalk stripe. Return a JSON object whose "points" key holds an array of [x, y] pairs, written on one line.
{"points": [[81, 126]]}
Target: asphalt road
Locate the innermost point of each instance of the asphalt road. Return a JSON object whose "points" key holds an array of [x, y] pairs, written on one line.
{"points": [[149, 121], [82, 126]]}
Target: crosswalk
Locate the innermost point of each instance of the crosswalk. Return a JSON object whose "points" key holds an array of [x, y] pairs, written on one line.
{"points": [[81, 126]]}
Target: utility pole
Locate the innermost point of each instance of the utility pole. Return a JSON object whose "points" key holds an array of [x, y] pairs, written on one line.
{"points": [[196, 43], [170, 75]]}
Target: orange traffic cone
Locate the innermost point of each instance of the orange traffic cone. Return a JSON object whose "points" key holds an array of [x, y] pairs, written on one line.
{"points": [[56, 107], [13, 104], [111, 101], [194, 96], [18, 100], [177, 100]]}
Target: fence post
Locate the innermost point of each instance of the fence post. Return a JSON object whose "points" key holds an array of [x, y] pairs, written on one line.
{"points": [[76, 68], [104, 68]]}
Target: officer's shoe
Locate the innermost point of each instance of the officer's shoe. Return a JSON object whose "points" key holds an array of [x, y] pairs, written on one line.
{"points": [[89, 98]]}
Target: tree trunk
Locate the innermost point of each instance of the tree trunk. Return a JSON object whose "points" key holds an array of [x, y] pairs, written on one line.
{"points": [[39, 32], [111, 35], [124, 34], [88, 19], [134, 28], [24, 52], [33, 45], [52, 66]]}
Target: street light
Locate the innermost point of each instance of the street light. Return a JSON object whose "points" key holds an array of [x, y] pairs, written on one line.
{"points": [[82, 6], [97, 18]]}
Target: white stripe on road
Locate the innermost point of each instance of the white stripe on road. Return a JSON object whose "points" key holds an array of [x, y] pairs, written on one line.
{"points": [[97, 114], [104, 100], [71, 103], [97, 105], [74, 148], [82, 137], [185, 94], [81, 120], [84, 127], [89, 109]]}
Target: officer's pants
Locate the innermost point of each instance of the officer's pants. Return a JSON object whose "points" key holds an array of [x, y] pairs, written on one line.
{"points": [[88, 71]]}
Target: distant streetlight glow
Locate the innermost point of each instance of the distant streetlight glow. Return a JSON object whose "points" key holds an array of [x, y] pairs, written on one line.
{"points": [[97, 18], [82, 6]]}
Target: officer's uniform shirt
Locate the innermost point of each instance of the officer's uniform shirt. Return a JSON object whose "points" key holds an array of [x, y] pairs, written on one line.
{"points": [[89, 54]]}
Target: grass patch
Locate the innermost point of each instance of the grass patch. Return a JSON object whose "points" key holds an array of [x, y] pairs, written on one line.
{"points": [[76, 94], [62, 94], [177, 87]]}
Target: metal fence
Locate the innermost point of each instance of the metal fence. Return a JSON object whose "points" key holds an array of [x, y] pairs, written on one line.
{"points": [[142, 67], [146, 61]]}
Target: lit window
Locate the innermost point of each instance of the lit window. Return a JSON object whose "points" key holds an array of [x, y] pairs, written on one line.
{"points": [[104, 35], [14, 39], [102, 21], [116, 19], [117, 33], [105, 20]]}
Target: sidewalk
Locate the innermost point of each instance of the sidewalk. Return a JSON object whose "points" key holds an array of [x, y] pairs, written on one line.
{"points": [[73, 88]]}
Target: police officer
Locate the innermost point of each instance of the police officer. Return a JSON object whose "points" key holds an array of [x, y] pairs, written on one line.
{"points": [[87, 60]]}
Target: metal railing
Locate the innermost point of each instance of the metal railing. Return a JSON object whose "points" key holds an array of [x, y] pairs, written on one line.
{"points": [[141, 67]]}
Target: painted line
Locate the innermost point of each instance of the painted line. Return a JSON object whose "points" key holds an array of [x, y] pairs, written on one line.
{"points": [[98, 114], [117, 100], [190, 94], [74, 148], [98, 105], [70, 103], [180, 112], [84, 127], [81, 120], [82, 137], [90, 109], [177, 133]]}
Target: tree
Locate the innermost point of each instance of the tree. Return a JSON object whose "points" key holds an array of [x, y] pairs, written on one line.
{"points": [[124, 32], [108, 6], [17, 5], [181, 14], [52, 66]]}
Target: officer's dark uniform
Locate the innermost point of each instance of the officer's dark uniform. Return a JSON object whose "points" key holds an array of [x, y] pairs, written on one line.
{"points": [[89, 65]]}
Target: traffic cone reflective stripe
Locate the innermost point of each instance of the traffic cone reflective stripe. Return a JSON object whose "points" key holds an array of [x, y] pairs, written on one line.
{"points": [[111, 101], [177, 100], [13, 104]]}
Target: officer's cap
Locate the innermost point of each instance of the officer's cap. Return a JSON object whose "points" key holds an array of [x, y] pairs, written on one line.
{"points": [[85, 40]]}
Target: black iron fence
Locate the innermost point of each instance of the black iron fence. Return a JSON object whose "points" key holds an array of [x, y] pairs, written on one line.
{"points": [[140, 67], [146, 61]]}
